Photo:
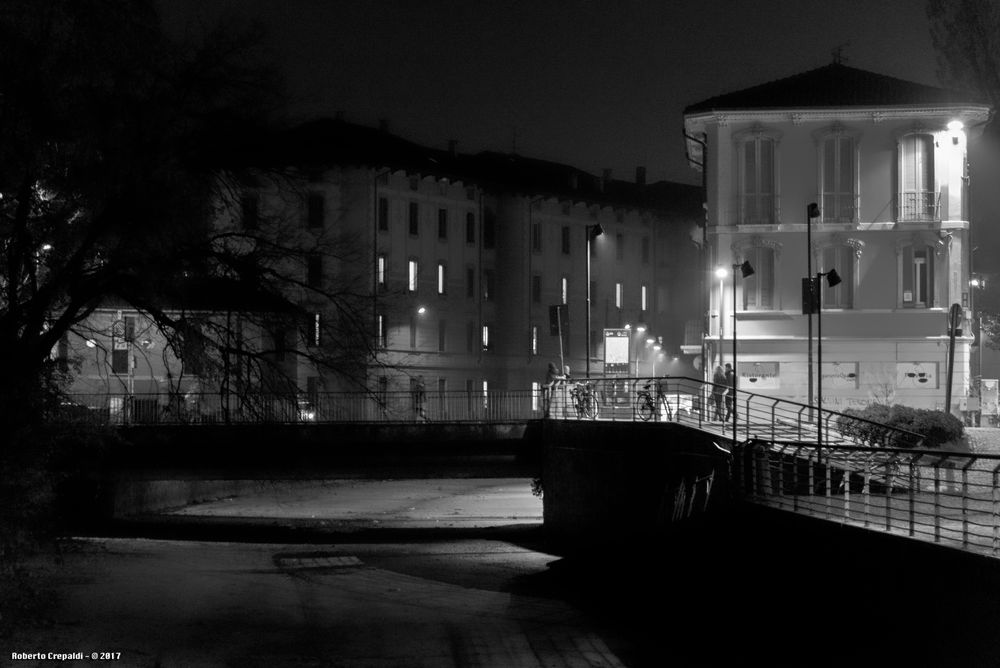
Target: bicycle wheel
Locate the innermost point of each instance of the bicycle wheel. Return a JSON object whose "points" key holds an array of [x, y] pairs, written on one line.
{"points": [[644, 408]]}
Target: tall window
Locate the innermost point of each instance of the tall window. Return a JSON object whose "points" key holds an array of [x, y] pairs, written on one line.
{"points": [[757, 180], [565, 240], [380, 271], [383, 214], [917, 199], [315, 210], [486, 337], [489, 285], [534, 339], [414, 218], [442, 278], [442, 223], [412, 275], [470, 228], [564, 290], [642, 298], [536, 288], [381, 333], [841, 258], [536, 236], [916, 276], [619, 295], [758, 288], [314, 336], [838, 176]]}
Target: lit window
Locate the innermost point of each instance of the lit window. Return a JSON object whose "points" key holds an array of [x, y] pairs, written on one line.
{"points": [[642, 297], [411, 280], [315, 330], [381, 332], [565, 290], [534, 339], [619, 295], [486, 337], [380, 270], [442, 278], [536, 395]]}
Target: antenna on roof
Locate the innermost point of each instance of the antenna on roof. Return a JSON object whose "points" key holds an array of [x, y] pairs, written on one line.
{"points": [[838, 53]]}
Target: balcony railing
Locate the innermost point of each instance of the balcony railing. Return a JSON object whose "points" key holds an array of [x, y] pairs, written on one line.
{"points": [[919, 205]]}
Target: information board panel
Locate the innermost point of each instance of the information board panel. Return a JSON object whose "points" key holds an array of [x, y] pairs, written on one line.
{"points": [[616, 350]]}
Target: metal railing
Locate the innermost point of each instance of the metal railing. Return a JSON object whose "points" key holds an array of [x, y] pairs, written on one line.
{"points": [[942, 497], [920, 205]]}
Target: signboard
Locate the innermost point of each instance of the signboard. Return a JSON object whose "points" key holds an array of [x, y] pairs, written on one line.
{"points": [[840, 375], [917, 375], [616, 350], [755, 376]]}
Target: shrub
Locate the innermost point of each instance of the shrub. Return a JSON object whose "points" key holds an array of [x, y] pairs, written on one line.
{"points": [[873, 425]]}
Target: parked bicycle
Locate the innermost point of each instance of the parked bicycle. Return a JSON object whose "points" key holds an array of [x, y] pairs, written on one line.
{"points": [[584, 400], [646, 402]]}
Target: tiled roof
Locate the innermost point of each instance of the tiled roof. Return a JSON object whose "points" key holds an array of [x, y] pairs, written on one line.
{"points": [[834, 85], [337, 142]]}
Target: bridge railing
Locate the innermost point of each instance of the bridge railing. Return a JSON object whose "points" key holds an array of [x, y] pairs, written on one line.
{"points": [[324, 407], [943, 497]]}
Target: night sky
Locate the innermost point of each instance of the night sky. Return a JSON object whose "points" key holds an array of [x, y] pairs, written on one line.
{"points": [[592, 84]]}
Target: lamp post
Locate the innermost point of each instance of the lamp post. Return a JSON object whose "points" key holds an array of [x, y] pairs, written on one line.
{"points": [[746, 269], [593, 231], [832, 280], [812, 211]]}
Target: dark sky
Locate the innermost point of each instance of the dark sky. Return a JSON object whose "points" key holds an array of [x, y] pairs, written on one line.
{"points": [[592, 84]]}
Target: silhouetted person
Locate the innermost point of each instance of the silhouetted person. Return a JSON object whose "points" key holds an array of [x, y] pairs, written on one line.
{"points": [[552, 379], [730, 391], [419, 397], [718, 390]]}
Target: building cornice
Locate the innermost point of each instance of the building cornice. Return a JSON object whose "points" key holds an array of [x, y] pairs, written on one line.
{"points": [[968, 113]]}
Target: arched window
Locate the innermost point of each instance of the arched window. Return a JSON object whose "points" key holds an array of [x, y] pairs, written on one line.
{"points": [[758, 288]]}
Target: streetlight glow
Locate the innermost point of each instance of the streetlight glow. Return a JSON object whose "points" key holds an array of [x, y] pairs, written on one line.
{"points": [[721, 272]]}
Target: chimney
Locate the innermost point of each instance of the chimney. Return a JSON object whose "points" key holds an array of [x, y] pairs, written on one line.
{"points": [[383, 124], [605, 179], [453, 147], [640, 176]]}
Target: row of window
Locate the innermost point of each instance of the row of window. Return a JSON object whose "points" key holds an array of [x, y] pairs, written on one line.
{"points": [[915, 277], [838, 163]]}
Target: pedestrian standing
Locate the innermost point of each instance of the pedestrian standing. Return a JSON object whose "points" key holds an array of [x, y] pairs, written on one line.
{"points": [[419, 397], [718, 389]]}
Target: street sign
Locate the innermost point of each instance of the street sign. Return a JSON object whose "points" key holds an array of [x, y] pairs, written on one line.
{"points": [[616, 350]]}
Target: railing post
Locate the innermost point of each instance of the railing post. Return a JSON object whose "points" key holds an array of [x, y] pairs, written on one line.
{"points": [[937, 501], [913, 481], [996, 510], [866, 489], [965, 502], [888, 495], [795, 478]]}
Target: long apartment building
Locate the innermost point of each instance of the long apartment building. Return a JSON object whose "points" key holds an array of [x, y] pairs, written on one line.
{"points": [[460, 262]]}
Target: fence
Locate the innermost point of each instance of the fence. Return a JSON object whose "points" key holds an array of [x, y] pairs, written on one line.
{"points": [[942, 497]]}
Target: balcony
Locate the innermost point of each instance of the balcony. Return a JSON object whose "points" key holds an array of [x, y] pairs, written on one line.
{"points": [[918, 206]]}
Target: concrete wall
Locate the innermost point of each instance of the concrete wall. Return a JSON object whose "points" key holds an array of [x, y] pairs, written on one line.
{"points": [[605, 482]]}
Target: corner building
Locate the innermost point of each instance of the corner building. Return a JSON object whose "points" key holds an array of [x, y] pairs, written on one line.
{"points": [[884, 160]]}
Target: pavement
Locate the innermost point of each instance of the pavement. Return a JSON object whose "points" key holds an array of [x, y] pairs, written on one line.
{"points": [[354, 595]]}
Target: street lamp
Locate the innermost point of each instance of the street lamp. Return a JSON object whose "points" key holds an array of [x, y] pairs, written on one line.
{"points": [[721, 273], [832, 280], [746, 269], [812, 211], [593, 231]]}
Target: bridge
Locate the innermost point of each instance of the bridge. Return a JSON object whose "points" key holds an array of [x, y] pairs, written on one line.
{"points": [[773, 453]]}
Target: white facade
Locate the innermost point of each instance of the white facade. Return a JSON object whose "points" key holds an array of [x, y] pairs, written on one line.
{"points": [[890, 184]]}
